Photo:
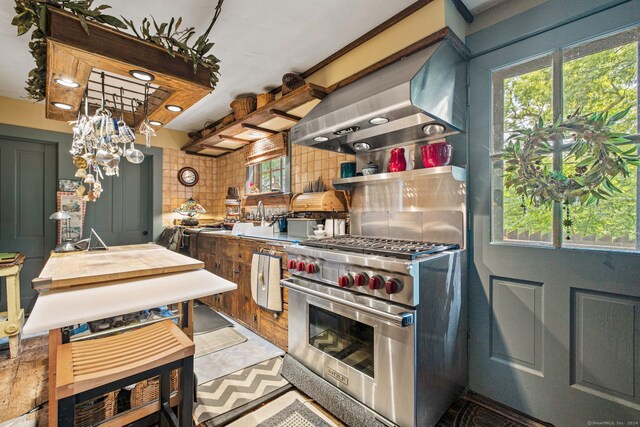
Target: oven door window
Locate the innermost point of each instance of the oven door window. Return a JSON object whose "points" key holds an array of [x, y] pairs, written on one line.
{"points": [[347, 340]]}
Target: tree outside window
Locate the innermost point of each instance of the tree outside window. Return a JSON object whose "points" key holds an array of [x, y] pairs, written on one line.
{"points": [[598, 76], [266, 177]]}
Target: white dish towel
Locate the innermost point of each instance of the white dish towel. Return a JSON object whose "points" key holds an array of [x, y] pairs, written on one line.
{"points": [[266, 272]]}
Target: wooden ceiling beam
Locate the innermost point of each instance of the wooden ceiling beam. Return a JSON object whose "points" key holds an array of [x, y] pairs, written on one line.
{"points": [[259, 129], [285, 115], [234, 139]]}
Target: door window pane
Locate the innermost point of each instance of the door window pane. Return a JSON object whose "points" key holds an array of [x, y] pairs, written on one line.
{"points": [[604, 80], [526, 97]]}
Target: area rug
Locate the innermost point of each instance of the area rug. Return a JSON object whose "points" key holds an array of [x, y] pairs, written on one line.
{"points": [[205, 319], [217, 340], [224, 394], [473, 410], [290, 410], [232, 359]]}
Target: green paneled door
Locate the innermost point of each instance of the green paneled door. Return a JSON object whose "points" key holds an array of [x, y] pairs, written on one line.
{"points": [[27, 198], [122, 214]]}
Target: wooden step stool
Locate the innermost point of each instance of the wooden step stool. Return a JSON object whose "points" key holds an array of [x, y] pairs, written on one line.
{"points": [[88, 369], [15, 315]]}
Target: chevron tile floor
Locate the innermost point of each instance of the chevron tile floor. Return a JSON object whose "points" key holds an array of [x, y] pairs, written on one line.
{"points": [[224, 394]]}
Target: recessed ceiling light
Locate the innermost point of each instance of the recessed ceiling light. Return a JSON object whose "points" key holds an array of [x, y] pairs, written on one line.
{"points": [[141, 75], [320, 139], [378, 120], [62, 105], [67, 83], [155, 123], [433, 129], [174, 108], [361, 146]]}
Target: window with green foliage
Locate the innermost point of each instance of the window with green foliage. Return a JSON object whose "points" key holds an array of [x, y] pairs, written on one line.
{"points": [[598, 76], [268, 176]]}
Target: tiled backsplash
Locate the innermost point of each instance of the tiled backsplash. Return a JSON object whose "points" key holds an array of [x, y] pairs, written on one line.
{"points": [[216, 175], [308, 164], [174, 193]]}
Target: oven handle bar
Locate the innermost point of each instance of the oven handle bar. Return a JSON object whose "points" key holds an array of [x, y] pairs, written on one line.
{"points": [[403, 319]]}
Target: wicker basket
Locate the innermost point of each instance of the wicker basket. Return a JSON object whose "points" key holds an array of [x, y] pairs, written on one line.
{"points": [[228, 119], [243, 106], [265, 98], [291, 82], [149, 390], [95, 411]]}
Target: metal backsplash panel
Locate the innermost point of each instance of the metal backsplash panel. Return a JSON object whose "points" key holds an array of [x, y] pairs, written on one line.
{"points": [[423, 208]]}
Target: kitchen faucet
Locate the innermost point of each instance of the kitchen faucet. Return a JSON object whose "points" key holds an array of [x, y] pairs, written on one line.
{"points": [[261, 213]]}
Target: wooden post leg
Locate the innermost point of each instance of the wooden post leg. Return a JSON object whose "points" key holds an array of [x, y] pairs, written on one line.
{"points": [[186, 388], [165, 398], [13, 311], [55, 339], [66, 412]]}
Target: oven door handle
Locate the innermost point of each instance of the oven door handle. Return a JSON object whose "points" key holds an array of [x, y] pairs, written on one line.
{"points": [[402, 320]]}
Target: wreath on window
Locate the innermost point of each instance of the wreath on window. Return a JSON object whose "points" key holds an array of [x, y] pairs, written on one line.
{"points": [[596, 156]]}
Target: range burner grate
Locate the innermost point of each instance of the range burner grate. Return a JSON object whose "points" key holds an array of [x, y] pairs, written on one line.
{"points": [[405, 249]]}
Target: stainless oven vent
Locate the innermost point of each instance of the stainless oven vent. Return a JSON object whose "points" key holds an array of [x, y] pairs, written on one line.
{"points": [[420, 97]]}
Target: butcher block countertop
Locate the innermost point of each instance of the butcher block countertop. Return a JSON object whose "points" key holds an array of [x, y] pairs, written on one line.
{"points": [[64, 270]]}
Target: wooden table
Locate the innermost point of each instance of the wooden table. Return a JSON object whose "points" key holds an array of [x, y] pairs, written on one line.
{"points": [[15, 315], [84, 286]]}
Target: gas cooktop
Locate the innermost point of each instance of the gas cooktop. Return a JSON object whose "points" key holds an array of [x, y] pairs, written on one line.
{"points": [[404, 249]]}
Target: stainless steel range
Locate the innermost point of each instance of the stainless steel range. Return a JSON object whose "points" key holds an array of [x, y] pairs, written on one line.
{"points": [[381, 314], [380, 318]]}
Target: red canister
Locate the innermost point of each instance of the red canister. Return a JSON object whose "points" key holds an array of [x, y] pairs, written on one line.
{"points": [[436, 154], [397, 163]]}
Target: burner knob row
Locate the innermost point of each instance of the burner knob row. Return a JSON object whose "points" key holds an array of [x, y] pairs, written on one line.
{"points": [[302, 266], [391, 286]]}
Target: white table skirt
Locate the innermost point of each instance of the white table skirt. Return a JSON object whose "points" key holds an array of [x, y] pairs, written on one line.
{"points": [[56, 309]]}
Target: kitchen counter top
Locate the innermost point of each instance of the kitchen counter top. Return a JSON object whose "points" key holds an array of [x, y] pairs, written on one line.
{"points": [[277, 237], [55, 309]]}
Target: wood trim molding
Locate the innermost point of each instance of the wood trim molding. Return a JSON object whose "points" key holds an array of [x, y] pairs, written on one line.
{"points": [[414, 7], [436, 37]]}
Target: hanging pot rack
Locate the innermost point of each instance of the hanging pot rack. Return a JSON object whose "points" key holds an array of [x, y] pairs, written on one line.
{"points": [[74, 55]]}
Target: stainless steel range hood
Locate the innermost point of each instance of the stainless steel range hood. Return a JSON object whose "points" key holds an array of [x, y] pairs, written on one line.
{"points": [[426, 88]]}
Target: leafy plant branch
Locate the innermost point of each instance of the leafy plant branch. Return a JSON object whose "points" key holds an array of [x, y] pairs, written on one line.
{"points": [[32, 14]]}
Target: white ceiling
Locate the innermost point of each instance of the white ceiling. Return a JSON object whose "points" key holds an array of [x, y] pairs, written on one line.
{"points": [[257, 41]]}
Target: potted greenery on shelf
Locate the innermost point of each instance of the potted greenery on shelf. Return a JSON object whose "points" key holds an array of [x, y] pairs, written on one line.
{"points": [[170, 36], [596, 156]]}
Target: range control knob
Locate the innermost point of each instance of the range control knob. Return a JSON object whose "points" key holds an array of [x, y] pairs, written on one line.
{"points": [[393, 286], [361, 279], [292, 264], [345, 281], [301, 265], [376, 282], [312, 269]]}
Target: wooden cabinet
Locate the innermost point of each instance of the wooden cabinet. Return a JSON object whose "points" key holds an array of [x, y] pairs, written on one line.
{"points": [[230, 257]]}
